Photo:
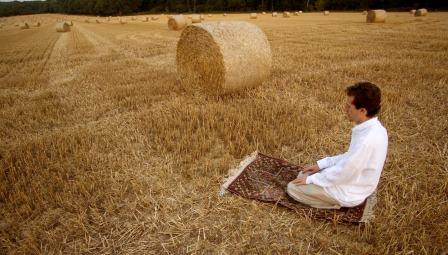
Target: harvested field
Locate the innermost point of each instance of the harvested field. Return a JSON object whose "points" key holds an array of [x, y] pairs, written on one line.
{"points": [[103, 151]]}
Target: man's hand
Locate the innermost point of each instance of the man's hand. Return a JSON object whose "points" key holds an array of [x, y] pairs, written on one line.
{"points": [[311, 169], [300, 180]]}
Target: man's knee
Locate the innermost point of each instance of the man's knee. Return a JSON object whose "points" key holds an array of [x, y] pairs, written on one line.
{"points": [[294, 190]]}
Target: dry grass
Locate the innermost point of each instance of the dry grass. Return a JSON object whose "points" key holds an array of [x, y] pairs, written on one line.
{"points": [[102, 150]]}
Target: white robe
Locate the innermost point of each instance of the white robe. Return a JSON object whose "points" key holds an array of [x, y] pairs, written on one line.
{"points": [[351, 177]]}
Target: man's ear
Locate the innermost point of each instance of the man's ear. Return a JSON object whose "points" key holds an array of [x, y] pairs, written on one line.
{"points": [[363, 111]]}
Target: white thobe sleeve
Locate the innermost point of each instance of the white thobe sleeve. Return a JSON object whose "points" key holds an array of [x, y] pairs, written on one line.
{"points": [[341, 173], [330, 161]]}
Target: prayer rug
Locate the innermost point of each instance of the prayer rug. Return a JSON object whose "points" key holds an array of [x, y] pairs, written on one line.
{"points": [[265, 179]]}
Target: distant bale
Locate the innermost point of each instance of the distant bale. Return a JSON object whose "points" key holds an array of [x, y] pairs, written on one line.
{"points": [[202, 17], [376, 16], [209, 15], [274, 14], [264, 13], [196, 19], [177, 22], [421, 12], [364, 13], [24, 25], [36, 24], [62, 27], [296, 13], [286, 14], [300, 12], [224, 56], [224, 14], [253, 15], [326, 13], [154, 18]]}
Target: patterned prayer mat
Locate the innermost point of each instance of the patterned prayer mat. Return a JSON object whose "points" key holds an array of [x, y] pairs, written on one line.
{"points": [[265, 178]]}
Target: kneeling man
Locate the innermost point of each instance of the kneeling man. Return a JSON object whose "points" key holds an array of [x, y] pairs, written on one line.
{"points": [[346, 180]]}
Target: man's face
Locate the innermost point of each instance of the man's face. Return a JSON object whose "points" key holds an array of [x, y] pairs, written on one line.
{"points": [[353, 114]]}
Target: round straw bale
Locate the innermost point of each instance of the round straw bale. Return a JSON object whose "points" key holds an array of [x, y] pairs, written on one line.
{"points": [[364, 12], [376, 16], [296, 13], [196, 19], [421, 12], [24, 25], [264, 13], [224, 14], [209, 15], [62, 27], [286, 14], [274, 14], [412, 11], [177, 22], [300, 11], [224, 56], [253, 15], [154, 18], [36, 24], [326, 13]]}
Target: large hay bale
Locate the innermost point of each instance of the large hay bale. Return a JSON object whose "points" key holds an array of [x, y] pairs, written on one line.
{"points": [[326, 13], [223, 56], [24, 25], [196, 19], [421, 12], [253, 15], [274, 14], [376, 16], [177, 22], [62, 27], [264, 13], [412, 11], [286, 14]]}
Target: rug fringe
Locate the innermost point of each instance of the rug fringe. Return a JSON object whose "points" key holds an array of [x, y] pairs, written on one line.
{"points": [[235, 172], [368, 213]]}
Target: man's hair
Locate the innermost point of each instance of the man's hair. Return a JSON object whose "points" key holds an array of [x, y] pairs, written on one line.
{"points": [[366, 95]]}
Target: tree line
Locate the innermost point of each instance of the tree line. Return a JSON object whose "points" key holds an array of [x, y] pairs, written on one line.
{"points": [[123, 7]]}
